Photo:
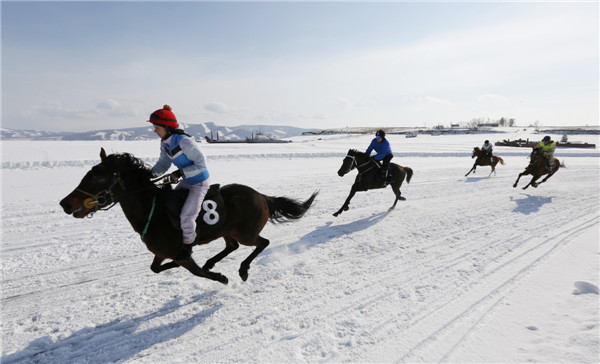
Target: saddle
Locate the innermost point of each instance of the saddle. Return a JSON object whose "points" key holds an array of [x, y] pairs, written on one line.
{"points": [[378, 174], [211, 215]]}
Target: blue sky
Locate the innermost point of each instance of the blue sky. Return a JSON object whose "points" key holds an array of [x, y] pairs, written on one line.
{"points": [[78, 66]]}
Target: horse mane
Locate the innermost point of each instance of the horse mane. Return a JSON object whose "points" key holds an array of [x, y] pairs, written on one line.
{"points": [[355, 151], [478, 149], [125, 162]]}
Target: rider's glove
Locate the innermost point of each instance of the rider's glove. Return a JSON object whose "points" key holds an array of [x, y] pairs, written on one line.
{"points": [[174, 177]]}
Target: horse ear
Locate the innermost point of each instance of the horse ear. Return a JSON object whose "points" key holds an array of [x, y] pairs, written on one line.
{"points": [[102, 154]]}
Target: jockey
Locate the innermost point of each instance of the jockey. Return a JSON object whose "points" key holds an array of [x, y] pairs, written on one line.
{"points": [[548, 147], [180, 149], [486, 148], [383, 153]]}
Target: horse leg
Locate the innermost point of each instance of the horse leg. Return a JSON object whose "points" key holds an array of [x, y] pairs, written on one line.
{"points": [[347, 202], [261, 243], [230, 245], [396, 189], [472, 169], [156, 266], [493, 170], [188, 263], [544, 180], [518, 178], [532, 182]]}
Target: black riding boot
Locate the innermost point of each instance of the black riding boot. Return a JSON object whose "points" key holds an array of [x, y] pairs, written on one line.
{"points": [[384, 175]]}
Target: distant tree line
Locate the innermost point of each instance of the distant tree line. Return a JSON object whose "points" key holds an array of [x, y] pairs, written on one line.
{"points": [[475, 122]]}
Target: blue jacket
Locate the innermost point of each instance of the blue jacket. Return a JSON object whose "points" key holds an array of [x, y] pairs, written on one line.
{"points": [[184, 153], [381, 148]]}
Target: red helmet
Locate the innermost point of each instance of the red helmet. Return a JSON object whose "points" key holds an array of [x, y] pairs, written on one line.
{"points": [[164, 117]]}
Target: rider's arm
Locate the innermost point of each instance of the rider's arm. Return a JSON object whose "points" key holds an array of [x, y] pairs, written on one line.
{"points": [[162, 165], [371, 146]]}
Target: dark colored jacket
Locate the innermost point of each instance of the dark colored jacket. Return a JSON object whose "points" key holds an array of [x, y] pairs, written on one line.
{"points": [[382, 149]]}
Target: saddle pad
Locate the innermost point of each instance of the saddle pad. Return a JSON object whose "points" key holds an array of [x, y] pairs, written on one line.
{"points": [[213, 208]]}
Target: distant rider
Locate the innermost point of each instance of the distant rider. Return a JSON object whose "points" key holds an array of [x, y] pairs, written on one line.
{"points": [[180, 149], [486, 148], [383, 153], [548, 147]]}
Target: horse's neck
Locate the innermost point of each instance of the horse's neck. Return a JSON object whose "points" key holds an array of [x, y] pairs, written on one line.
{"points": [[136, 203], [363, 162]]}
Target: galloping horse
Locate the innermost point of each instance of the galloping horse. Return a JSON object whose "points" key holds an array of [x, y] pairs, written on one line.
{"points": [[483, 160], [368, 172], [122, 178], [537, 168]]}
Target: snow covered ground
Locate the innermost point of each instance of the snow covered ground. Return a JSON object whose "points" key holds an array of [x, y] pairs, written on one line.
{"points": [[466, 270]]}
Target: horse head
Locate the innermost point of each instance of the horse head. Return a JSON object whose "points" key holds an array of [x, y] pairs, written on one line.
{"points": [[101, 184], [349, 163], [476, 152], [536, 152]]}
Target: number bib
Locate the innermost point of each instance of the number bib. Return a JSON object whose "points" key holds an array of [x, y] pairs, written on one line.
{"points": [[209, 213]]}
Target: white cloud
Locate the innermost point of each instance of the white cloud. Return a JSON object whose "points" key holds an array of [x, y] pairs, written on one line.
{"points": [[216, 107]]}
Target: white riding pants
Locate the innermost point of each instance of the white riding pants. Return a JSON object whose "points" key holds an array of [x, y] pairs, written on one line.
{"points": [[191, 208]]}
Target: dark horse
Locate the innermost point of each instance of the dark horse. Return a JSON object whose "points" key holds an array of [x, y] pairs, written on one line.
{"points": [[537, 168], [122, 178], [483, 160], [368, 176]]}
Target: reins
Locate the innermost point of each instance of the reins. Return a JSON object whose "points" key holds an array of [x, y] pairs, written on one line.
{"points": [[358, 166], [107, 196]]}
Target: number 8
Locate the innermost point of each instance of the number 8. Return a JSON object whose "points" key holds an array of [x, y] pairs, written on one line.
{"points": [[211, 216]]}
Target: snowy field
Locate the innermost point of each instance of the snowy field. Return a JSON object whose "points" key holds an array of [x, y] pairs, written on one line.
{"points": [[467, 269]]}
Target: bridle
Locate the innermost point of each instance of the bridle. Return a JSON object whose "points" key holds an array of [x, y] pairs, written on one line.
{"points": [[106, 197], [354, 164], [102, 198]]}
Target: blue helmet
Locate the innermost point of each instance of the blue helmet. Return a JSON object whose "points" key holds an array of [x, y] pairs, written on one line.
{"points": [[546, 139], [380, 133]]}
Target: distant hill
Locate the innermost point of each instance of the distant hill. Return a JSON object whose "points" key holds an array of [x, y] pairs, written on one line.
{"points": [[198, 131]]}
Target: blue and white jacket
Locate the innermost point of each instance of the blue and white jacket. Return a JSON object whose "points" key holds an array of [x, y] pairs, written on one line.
{"points": [[382, 149], [184, 153]]}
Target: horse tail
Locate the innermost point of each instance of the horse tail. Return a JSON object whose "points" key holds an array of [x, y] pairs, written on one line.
{"points": [[282, 209], [409, 173], [500, 160]]}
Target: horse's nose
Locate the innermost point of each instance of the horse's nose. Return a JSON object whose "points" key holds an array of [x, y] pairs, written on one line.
{"points": [[340, 173], [66, 206]]}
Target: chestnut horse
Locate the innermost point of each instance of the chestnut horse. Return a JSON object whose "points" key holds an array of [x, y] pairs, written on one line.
{"points": [[483, 160], [124, 179], [368, 176], [537, 168]]}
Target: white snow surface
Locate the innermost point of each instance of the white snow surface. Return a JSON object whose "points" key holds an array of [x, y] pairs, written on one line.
{"points": [[467, 269]]}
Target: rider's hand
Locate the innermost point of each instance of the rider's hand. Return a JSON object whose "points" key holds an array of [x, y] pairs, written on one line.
{"points": [[174, 177]]}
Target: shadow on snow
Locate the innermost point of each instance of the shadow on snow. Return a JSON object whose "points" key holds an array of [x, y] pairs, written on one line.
{"points": [[328, 231], [116, 341], [476, 179], [530, 204]]}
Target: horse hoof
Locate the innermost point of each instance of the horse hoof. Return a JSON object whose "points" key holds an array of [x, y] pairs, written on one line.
{"points": [[223, 279], [336, 214], [244, 276], [402, 198], [346, 208]]}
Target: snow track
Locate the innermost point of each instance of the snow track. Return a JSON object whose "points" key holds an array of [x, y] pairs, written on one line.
{"points": [[420, 283]]}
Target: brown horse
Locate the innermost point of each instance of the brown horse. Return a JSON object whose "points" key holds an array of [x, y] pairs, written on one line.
{"points": [[368, 176], [483, 160], [537, 168], [124, 179]]}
